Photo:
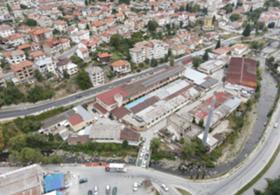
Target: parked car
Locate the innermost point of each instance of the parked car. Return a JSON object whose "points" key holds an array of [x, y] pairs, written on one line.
{"points": [[115, 191], [135, 187], [107, 190], [90, 192], [83, 180], [164, 187], [95, 190]]}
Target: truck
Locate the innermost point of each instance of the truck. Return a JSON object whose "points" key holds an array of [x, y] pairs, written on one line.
{"points": [[116, 167]]}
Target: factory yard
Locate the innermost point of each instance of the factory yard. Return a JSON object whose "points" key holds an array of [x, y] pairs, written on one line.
{"points": [[96, 176]]}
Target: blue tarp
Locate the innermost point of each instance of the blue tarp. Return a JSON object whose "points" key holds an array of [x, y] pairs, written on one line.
{"points": [[53, 182]]}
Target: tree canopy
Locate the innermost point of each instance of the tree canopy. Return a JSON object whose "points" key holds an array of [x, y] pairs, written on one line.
{"points": [[83, 80], [152, 26]]}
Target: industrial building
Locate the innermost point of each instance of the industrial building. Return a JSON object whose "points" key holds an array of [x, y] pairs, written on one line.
{"points": [[241, 74], [26, 180]]}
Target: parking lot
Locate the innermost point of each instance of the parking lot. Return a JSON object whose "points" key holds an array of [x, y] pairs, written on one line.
{"points": [[97, 176]]}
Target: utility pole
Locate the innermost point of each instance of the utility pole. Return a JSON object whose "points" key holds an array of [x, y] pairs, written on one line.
{"points": [[208, 122]]}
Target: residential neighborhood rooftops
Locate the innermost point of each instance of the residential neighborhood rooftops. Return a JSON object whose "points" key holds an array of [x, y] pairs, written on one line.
{"points": [[119, 63], [21, 65]]}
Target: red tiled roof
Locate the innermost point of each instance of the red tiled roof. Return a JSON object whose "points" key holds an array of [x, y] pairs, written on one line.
{"points": [[120, 112], [99, 108], [108, 96], [119, 63], [75, 119], [21, 65], [104, 55], [129, 135], [242, 71], [148, 102]]}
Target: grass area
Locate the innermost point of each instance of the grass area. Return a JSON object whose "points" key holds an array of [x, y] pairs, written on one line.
{"points": [[183, 192], [260, 174]]}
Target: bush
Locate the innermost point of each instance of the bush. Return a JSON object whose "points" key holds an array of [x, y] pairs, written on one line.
{"points": [[38, 93]]}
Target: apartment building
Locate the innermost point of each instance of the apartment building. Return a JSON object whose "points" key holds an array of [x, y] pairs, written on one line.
{"points": [[15, 56], [153, 49], [96, 75], [23, 71], [6, 30]]}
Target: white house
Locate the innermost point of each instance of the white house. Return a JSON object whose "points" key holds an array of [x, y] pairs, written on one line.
{"points": [[45, 65], [76, 37], [68, 66], [6, 30], [15, 56], [121, 66]]}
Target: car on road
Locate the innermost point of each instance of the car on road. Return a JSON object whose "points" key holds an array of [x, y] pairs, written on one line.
{"points": [[275, 125], [95, 190], [115, 191], [164, 187], [83, 180], [107, 190], [90, 192], [135, 187]]}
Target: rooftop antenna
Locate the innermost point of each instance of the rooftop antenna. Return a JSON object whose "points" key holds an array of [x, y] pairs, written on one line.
{"points": [[209, 119]]}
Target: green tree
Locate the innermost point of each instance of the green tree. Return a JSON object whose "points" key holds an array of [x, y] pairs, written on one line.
{"points": [[228, 8], [10, 95], [154, 63], [4, 64], [196, 61], [205, 56], [124, 1], [234, 17], [171, 60], [27, 124], [38, 93], [76, 60], [9, 8], [272, 188], [155, 144], [125, 144], [218, 45], [30, 22], [83, 80], [247, 31], [152, 26], [38, 75], [65, 74]]}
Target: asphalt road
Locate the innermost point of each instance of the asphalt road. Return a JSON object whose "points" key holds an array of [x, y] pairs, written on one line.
{"points": [[22, 110], [37, 108]]}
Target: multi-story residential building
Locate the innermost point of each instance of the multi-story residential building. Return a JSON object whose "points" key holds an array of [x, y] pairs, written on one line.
{"points": [[15, 40], [40, 34], [60, 25], [14, 57], [82, 52], [96, 75], [272, 16], [52, 46], [67, 66], [6, 30], [153, 49], [80, 35], [4, 13], [45, 65], [121, 66], [23, 70], [36, 55]]}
